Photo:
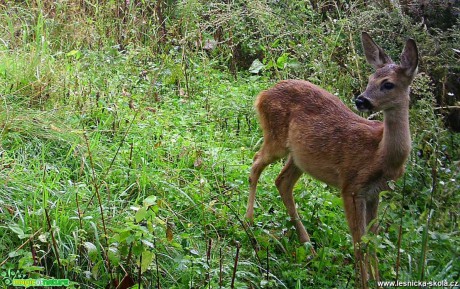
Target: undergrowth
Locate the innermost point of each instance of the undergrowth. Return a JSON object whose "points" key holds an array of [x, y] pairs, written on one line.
{"points": [[125, 152]]}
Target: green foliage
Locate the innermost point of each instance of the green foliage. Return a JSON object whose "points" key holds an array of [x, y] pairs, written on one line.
{"points": [[126, 153]]}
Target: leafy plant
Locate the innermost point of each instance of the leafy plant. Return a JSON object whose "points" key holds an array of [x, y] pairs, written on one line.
{"points": [[124, 150]]}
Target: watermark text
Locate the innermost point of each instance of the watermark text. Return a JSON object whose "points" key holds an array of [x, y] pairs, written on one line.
{"points": [[40, 282], [418, 283]]}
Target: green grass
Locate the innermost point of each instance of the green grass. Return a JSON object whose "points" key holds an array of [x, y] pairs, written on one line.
{"points": [[136, 162]]}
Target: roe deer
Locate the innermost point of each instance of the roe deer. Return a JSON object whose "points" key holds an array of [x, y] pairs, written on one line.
{"points": [[324, 138]]}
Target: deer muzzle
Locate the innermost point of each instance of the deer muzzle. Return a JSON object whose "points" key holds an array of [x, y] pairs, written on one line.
{"points": [[363, 104]]}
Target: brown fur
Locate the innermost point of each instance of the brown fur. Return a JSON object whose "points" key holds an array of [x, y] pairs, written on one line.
{"points": [[294, 109], [324, 138]]}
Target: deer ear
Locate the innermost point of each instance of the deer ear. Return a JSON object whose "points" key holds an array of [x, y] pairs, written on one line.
{"points": [[374, 54], [409, 58]]}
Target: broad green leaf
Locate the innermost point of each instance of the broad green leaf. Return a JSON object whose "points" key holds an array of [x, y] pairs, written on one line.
{"points": [[15, 228], [141, 214], [281, 62], [95, 269], [150, 201], [147, 259], [123, 235], [14, 254], [92, 250], [113, 255]]}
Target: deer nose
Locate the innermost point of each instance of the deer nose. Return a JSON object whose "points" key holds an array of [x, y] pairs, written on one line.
{"points": [[362, 103]]}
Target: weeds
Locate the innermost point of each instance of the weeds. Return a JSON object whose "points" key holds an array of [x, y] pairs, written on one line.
{"points": [[125, 150]]}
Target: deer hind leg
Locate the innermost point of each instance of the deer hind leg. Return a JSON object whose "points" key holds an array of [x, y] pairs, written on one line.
{"points": [[285, 183], [265, 156], [355, 211]]}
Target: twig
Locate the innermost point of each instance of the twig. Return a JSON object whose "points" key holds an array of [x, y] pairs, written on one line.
{"points": [[185, 70], [268, 262], [130, 164], [130, 254], [33, 252], [448, 107], [22, 246], [120, 145], [208, 258], [434, 176], [246, 230], [56, 253], [114, 157], [156, 262], [96, 189], [242, 223], [221, 265], [350, 39], [238, 246], [139, 277], [79, 245]]}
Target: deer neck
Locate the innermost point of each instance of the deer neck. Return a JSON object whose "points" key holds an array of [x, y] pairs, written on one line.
{"points": [[396, 141]]}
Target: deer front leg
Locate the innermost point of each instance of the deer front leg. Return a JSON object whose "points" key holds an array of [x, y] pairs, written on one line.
{"points": [[372, 206], [261, 160], [355, 211], [269, 153], [257, 167], [285, 183]]}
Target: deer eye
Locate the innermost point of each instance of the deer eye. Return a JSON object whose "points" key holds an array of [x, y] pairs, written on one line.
{"points": [[387, 86]]}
